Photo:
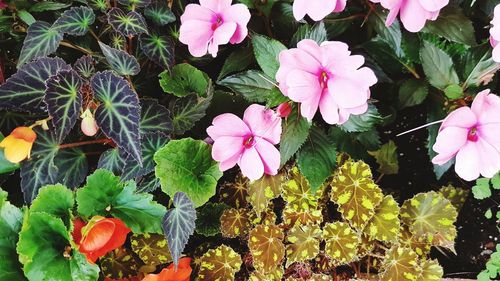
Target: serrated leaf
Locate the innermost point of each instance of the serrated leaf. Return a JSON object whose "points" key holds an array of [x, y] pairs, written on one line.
{"points": [[304, 245], [56, 200], [400, 264], [391, 34], [455, 195], [235, 193], [155, 118], [387, 158], [317, 158], [187, 166], [159, 49], [341, 242], [119, 112], [208, 218], [41, 40], [41, 249], [421, 245], [453, 25], [184, 80], [151, 248], [64, 101], [236, 222], [431, 271], [179, 224], [296, 191], [263, 190], [135, 3], [159, 13], [412, 92], [266, 247], [25, 90], [237, 61], [104, 195], [363, 122], [128, 24], [292, 217], [85, 66], [187, 111], [75, 21], [120, 61], [276, 274], [316, 32], [219, 264], [355, 193], [150, 143], [253, 85], [385, 224], [119, 264], [438, 66], [266, 51], [11, 220], [111, 160], [295, 133]]}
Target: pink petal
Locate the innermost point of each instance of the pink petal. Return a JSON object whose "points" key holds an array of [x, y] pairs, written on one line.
{"points": [[391, 4], [393, 13], [340, 6], [196, 34], [487, 107], [346, 92], [448, 143], [433, 5], [329, 109], [462, 117], [491, 134], [240, 15], [251, 164], [300, 8], [309, 107], [216, 5], [228, 124], [340, 64], [413, 15], [318, 9], [302, 86], [296, 59], [310, 47], [489, 158], [496, 53], [467, 163], [229, 163], [221, 36], [270, 156], [263, 123], [197, 12], [225, 148]]}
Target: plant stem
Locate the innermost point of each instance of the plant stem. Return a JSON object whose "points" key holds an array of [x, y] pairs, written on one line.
{"points": [[94, 35], [76, 47], [379, 178], [76, 144]]}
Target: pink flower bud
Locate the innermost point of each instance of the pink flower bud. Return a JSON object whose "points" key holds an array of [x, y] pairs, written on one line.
{"points": [[89, 126], [284, 109]]}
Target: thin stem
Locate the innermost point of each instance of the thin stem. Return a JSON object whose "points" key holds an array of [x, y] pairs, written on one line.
{"points": [[420, 127], [94, 35], [130, 82], [379, 178], [76, 144], [376, 256], [76, 47]]}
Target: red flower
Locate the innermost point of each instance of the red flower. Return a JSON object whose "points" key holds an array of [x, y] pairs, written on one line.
{"points": [[284, 109], [183, 272], [100, 236]]}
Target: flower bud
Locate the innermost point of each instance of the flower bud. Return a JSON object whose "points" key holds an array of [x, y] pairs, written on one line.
{"points": [[284, 109], [89, 126]]}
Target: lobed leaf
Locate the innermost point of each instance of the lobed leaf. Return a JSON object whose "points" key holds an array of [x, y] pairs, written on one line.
{"points": [[431, 270], [151, 248], [400, 264], [341, 242], [219, 264], [304, 245], [235, 193], [263, 190], [266, 247], [236, 222], [75, 21], [296, 191], [385, 224], [56, 200]]}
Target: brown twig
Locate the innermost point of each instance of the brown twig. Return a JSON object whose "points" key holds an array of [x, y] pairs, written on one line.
{"points": [[76, 144]]}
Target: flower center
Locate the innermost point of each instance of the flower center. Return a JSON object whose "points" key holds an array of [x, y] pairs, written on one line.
{"points": [[217, 22], [472, 136], [249, 141], [323, 79]]}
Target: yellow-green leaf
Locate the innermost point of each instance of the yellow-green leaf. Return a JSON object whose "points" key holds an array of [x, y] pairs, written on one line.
{"points": [[266, 247], [151, 248], [304, 241], [400, 264], [292, 217], [297, 192], [262, 191], [456, 195], [385, 224], [341, 242], [236, 222], [219, 264], [431, 271]]}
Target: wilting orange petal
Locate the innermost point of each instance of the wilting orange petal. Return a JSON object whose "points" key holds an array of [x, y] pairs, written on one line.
{"points": [[25, 133]]}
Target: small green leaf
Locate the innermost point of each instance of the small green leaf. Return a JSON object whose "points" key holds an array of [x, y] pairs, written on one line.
{"points": [[187, 166], [48, 6], [41, 40], [184, 80], [254, 85], [159, 13], [363, 122], [295, 132], [438, 66], [208, 218], [266, 52], [120, 61], [26, 17], [56, 200], [85, 66], [453, 92], [75, 21], [412, 92], [482, 189], [453, 25], [159, 49], [387, 158], [129, 24], [316, 32], [495, 181], [488, 214]]}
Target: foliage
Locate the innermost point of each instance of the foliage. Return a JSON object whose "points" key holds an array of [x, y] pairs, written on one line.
{"points": [[219, 264]]}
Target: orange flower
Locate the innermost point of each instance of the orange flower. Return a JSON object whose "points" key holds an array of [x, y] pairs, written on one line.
{"points": [[123, 279], [100, 236], [183, 272], [17, 146]]}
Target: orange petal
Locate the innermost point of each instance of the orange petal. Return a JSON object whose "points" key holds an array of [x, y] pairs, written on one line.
{"points": [[152, 277], [77, 230], [98, 236], [16, 150], [24, 133]]}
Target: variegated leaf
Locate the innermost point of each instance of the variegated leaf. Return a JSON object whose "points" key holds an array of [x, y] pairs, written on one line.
{"points": [[85, 66], [128, 24], [151, 248], [236, 222], [431, 271], [304, 241], [41, 40], [155, 118], [119, 264], [75, 21], [219, 264], [263, 190], [136, 3], [235, 193], [456, 195], [159, 13], [292, 217], [341, 242], [159, 49], [120, 61], [150, 143], [400, 264], [111, 160], [297, 192], [73, 167], [385, 224], [266, 247]]}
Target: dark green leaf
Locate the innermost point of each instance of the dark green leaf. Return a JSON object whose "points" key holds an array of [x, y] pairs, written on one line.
{"points": [[438, 66], [478, 64], [85, 66], [155, 118], [337, 23], [159, 13], [120, 61], [11, 220], [41, 40], [453, 92], [187, 111], [64, 101], [266, 52], [118, 114], [208, 218], [385, 56], [148, 183], [104, 194], [387, 158], [390, 34], [150, 144], [128, 24], [369, 139], [56, 200], [453, 25], [111, 160], [75, 21], [363, 122], [187, 166], [159, 49], [137, 3], [254, 85], [184, 80], [412, 92], [179, 224], [316, 33], [295, 132], [73, 166], [317, 158], [99, 4], [435, 112], [48, 6], [237, 61]]}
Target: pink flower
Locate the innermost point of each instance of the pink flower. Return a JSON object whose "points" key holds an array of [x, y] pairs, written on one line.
{"points": [[413, 13], [471, 136], [213, 23], [316, 9], [3, 5], [327, 77], [248, 142], [495, 33]]}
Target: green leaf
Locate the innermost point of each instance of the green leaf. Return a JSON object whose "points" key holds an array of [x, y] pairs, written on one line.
{"points": [[266, 52], [72, 165], [48, 6], [495, 181], [119, 112], [453, 25], [438, 66], [41, 248], [221, 263], [136, 3], [64, 101], [151, 248], [385, 56], [159, 49], [208, 218], [187, 166], [148, 183], [363, 122], [41, 40], [155, 118], [387, 158], [111, 160], [435, 112], [488, 214], [412, 92], [25, 90], [104, 195], [341, 242], [101, 5], [400, 264], [478, 64], [179, 224], [482, 189], [254, 85], [184, 80], [56, 200], [11, 219], [316, 32], [453, 92], [159, 13], [317, 158], [75, 21], [26, 17], [187, 111], [150, 143], [85, 66], [390, 34], [120, 61], [385, 224], [238, 60], [129, 24], [295, 132]]}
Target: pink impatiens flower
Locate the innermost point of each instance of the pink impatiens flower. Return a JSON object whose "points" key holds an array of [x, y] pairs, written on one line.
{"points": [[413, 13], [495, 34], [213, 23], [471, 136], [325, 76], [316, 9], [248, 142]]}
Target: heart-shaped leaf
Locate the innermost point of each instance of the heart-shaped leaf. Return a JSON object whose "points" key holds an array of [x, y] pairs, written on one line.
{"points": [[219, 264], [120, 61], [25, 90], [151, 248], [73, 167], [159, 13], [56, 200], [150, 143], [179, 224], [41, 40], [184, 80], [75, 21], [64, 101], [129, 24], [119, 112], [155, 118], [159, 49], [111, 160], [187, 166], [85, 66]]}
